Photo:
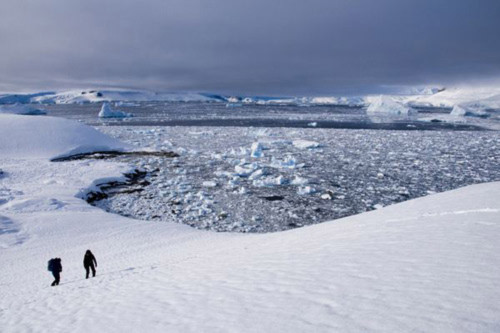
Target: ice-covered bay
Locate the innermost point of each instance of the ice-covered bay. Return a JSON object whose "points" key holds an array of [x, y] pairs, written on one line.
{"points": [[271, 179]]}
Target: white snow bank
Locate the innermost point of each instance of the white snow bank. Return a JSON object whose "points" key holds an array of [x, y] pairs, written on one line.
{"points": [[386, 106], [108, 112], [49, 137], [21, 109]]}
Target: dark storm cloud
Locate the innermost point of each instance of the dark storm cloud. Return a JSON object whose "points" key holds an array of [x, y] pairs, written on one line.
{"points": [[259, 46]]}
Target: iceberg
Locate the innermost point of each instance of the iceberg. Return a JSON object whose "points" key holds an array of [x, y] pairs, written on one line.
{"points": [[256, 150], [107, 112], [463, 110], [233, 99], [386, 106]]}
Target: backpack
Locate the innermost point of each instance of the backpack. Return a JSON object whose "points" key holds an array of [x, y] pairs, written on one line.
{"points": [[50, 265]]}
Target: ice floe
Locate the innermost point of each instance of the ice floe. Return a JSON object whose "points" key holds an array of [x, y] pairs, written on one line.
{"points": [[270, 181], [305, 144], [304, 190], [298, 180]]}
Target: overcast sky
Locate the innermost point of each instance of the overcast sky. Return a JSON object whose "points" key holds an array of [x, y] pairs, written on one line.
{"points": [[247, 47]]}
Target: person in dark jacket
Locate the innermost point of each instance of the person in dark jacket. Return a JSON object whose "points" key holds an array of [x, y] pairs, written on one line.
{"points": [[89, 262], [56, 269]]}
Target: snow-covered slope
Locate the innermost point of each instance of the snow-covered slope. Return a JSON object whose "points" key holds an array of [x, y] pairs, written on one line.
{"points": [[50, 137], [308, 101], [489, 96], [94, 96], [349, 101], [426, 265], [21, 98], [21, 109]]}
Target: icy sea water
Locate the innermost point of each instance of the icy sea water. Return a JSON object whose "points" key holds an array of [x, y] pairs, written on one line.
{"points": [[220, 115], [262, 179]]}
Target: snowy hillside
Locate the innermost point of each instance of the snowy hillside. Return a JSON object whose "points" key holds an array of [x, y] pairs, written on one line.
{"points": [[427, 265], [49, 137], [22, 110], [14, 98], [488, 96], [95, 96]]}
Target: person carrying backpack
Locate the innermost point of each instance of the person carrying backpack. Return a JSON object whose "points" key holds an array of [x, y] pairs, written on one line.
{"points": [[55, 267], [89, 262]]}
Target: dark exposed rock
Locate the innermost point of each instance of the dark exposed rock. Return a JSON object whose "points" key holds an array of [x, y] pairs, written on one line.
{"points": [[274, 197], [134, 183], [103, 155]]}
